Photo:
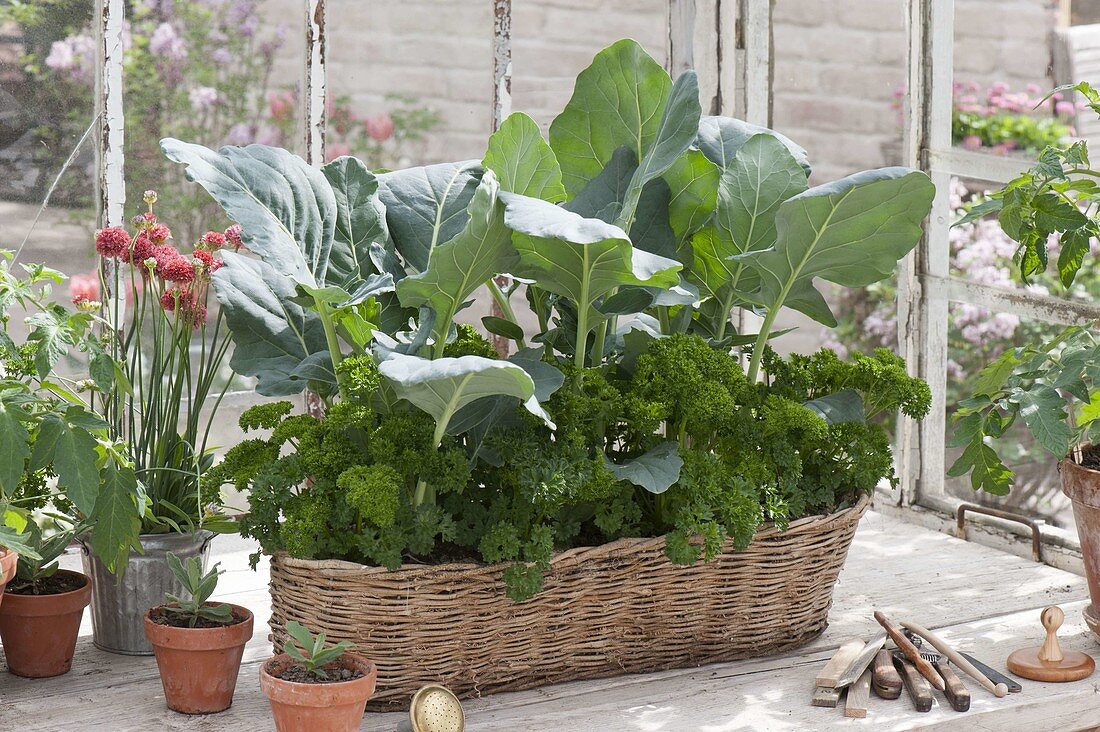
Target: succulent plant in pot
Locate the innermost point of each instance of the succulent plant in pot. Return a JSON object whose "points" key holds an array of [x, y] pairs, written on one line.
{"points": [[198, 643], [315, 686], [40, 616], [1052, 387]]}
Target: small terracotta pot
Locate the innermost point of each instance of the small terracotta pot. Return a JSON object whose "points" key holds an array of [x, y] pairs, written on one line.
{"points": [[39, 631], [334, 707], [9, 560], [199, 666]]}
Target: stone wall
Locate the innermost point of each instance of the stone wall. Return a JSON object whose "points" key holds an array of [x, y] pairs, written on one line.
{"points": [[838, 62]]}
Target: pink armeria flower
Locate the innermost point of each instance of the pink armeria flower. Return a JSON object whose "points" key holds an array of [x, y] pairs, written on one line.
{"points": [[1065, 109], [281, 104], [213, 240], [112, 242], [169, 298], [972, 142], [159, 234], [233, 236], [140, 249], [178, 269]]}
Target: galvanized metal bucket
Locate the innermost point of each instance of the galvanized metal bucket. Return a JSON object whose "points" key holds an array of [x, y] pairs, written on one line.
{"points": [[118, 606]]}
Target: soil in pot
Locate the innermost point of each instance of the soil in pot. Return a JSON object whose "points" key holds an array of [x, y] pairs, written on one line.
{"points": [[198, 666], [335, 705], [39, 624]]}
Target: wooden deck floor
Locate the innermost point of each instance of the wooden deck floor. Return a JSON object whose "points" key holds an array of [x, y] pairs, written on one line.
{"points": [[982, 600]]}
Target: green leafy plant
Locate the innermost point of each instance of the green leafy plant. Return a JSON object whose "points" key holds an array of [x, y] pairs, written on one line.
{"points": [[1056, 198], [37, 566], [310, 650], [48, 429], [199, 586], [633, 234]]}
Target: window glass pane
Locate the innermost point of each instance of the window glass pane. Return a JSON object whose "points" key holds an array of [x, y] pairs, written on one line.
{"points": [[410, 82], [46, 107]]}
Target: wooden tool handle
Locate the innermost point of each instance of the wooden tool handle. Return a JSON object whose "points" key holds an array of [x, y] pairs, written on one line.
{"points": [[910, 651], [885, 678], [998, 690], [954, 689], [919, 689]]}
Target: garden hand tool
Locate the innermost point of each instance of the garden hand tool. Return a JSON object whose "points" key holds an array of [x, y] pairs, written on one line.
{"points": [[1049, 662], [885, 679], [954, 689], [906, 646], [920, 691], [996, 676], [998, 690]]}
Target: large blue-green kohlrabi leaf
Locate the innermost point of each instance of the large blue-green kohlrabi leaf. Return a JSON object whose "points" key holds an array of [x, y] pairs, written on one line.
{"points": [[523, 161], [758, 178], [443, 386], [426, 206], [273, 336], [618, 100], [851, 232], [603, 198], [286, 207], [676, 132], [360, 222], [721, 137], [481, 250], [582, 259], [656, 471], [693, 185]]}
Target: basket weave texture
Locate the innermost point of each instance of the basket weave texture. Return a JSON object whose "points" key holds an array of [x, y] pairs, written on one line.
{"points": [[614, 609]]}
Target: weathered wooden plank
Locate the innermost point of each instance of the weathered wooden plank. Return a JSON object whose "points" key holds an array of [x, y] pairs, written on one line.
{"points": [[884, 571], [838, 664], [859, 696]]}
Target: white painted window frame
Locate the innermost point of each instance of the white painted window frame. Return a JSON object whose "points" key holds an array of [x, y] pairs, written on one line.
{"points": [[925, 285]]}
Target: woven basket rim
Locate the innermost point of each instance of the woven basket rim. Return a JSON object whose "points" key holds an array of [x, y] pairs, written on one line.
{"points": [[806, 524]]}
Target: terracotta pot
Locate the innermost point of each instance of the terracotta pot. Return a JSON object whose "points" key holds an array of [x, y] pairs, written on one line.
{"points": [[9, 560], [199, 666], [1082, 485], [39, 631], [334, 707]]}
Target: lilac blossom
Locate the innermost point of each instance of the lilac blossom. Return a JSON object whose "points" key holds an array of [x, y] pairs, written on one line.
{"points": [[74, 57], [203, 97], [167, 44]]}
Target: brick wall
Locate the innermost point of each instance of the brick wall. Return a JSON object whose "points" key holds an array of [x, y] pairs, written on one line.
{"points": [[838, 62]]}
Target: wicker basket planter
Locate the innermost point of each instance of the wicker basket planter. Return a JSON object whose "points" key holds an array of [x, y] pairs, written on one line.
{"points": [[608, 610]]}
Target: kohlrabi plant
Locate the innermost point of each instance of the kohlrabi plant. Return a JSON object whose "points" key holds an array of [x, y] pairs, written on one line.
{"points": [[638, 220], [310, 650], [198, 586]]}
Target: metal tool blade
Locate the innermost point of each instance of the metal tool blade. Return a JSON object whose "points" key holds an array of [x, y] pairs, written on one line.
{"points": [[994, 675]]}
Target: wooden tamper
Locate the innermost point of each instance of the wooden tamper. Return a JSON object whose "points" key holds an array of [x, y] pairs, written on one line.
{"points": [[1048, 662]]}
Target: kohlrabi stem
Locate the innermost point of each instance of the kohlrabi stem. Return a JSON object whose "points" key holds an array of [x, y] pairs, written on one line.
{"points": [[581, 349], [727, 306], [505, 305], [331, 340], [762, 340]]}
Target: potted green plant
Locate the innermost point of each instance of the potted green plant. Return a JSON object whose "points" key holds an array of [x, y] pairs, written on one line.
{"points": [[198, 643], [171, 352], [314, 686], [58, 454], [40, 618], [632, 434], [1052, 387]]}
